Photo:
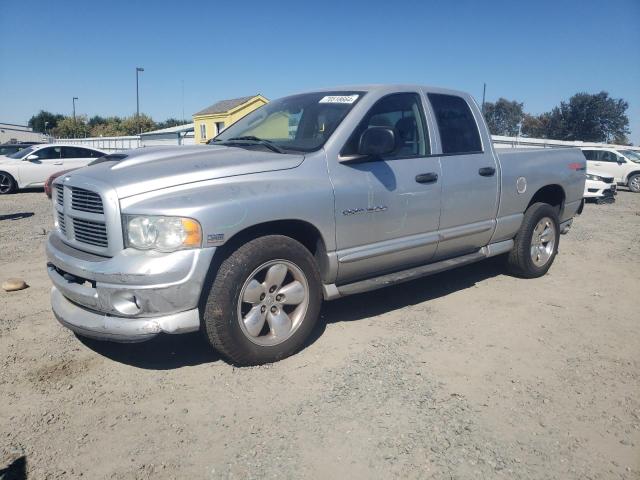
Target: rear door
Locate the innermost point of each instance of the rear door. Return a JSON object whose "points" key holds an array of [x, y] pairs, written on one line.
{"points": [[35, 172], [469, 177], [387, 209], [78, 157]]}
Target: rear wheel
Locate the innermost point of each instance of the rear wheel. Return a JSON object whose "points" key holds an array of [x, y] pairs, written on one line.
{"points": [[264, 302], [536, 243], [7, 184], [634, 183]]}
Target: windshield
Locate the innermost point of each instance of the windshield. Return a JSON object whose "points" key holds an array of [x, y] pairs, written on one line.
{"points": [[299, 122], [631, 155], [21, 153]]}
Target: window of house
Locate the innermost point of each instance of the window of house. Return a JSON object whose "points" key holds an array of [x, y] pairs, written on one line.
{"points": [[203, 131], [219, 126], [458, 129], [402, 112]]}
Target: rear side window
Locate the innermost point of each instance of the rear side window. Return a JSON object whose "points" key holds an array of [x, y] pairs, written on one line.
{"points": [[589, 154], [458, 129]]}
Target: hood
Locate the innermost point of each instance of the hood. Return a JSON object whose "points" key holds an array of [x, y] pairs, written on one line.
{"points": [[147, 169]]}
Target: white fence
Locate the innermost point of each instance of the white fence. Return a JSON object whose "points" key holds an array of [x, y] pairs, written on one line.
{"points": [[108, 144], [134, 141]]}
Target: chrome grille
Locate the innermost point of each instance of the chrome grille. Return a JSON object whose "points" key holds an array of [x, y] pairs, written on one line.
{"points": [[61, 224], [88, 231], [60, 194], [86, 201]]}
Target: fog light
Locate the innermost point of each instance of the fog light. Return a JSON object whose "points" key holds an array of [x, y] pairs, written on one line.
{"points": [[125, 303]]}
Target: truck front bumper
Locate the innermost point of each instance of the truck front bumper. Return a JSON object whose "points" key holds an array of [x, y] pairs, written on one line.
{"points": [[129, 297]]}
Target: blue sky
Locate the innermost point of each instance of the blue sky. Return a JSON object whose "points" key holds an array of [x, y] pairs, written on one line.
{"points": [[538, 52]]}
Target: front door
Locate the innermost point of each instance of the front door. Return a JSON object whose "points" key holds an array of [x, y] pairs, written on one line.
{"points": [[387, 209], [605, 164], [469, 178], [35, 172]]}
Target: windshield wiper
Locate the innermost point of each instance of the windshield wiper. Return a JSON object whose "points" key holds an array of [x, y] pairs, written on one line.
{"points": [[250, 138]]}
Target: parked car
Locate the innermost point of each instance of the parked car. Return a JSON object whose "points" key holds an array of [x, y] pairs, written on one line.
{"points": [[30, 167], [244, 238], [611, 163], [47, 184], [9, 148], [598, 188]]}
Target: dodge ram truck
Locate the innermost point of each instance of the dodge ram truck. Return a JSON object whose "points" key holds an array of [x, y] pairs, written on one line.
{"points": [[309, 198]]}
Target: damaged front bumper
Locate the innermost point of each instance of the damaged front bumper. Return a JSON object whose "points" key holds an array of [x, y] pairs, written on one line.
{"points": [[129, 297]]}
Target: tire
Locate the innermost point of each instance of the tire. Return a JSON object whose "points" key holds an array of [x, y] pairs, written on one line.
{"points": [[634, 183], [287, 314], [525, 260], [7, 184]]}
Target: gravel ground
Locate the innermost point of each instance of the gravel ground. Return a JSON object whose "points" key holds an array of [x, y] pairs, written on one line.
{"points": [[468, 374]]}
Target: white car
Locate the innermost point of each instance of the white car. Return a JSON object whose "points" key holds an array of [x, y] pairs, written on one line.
{"points": [[32, 166], [601, 189], [625, 169]]}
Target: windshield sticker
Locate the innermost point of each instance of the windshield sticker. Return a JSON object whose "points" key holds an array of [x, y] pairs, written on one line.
{"points": [[339, 99]]}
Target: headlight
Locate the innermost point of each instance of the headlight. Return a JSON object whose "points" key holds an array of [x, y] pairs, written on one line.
{"points": [[594, 177], [166, 234]]}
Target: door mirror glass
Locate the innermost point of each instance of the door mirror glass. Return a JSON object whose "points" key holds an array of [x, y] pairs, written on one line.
{"points": [[32, 157], [620, 160], [377, 141]]}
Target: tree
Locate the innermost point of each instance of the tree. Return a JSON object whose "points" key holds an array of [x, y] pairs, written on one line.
{"points": [[503, 117], [170, 122], [70, 127], [136, 124], [96, 120], [587, 117], [42, 119]]}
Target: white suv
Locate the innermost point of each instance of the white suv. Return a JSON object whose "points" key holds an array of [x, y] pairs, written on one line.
{"points": [[625, 169]]}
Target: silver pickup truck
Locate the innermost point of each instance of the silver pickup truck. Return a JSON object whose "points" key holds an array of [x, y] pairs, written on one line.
{"points": [[312, 196]]}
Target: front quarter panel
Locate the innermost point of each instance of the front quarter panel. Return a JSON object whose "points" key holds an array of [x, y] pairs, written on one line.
{"points": [[226, 206]]}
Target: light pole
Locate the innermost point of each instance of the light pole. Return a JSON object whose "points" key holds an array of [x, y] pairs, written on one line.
{"points": [[138, 70], [46, 124]]}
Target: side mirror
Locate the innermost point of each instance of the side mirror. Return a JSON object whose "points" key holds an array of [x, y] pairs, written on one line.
{"points": [[620, 160], [377, 141], [32, 157]]}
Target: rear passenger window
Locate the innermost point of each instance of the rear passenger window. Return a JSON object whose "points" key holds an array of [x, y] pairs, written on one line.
{"points": [[458, 129], [589, 154]]}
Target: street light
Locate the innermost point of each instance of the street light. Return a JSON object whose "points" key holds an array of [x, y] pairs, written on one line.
{"points": [[46, 124], [138, 70]]}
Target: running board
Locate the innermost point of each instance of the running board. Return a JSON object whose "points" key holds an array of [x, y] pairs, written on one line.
{"points": [[334, 291]]}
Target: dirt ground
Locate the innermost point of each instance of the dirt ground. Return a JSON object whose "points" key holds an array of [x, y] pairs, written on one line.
{"points": [[468, 374]]}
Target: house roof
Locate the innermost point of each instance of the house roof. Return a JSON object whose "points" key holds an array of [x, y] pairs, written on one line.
{"points": [[225, 105], [188, 127]]}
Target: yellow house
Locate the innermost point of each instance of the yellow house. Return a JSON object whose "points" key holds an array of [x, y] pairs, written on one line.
{"points": [[212, 120]]}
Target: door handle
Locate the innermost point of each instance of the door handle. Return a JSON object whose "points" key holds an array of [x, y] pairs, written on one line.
{"points": [[57, 163], [487, 171], [430, 177]]}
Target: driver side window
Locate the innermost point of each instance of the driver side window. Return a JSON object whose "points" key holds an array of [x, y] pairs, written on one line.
{"points": [[402, 113], [50, 153]]}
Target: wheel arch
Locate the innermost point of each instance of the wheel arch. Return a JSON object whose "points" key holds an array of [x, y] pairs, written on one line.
{"points": [[631, 174], [552, 194], [300, 230]]}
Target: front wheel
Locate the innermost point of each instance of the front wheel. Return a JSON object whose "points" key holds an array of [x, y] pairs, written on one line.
{"points": [[264, 302], [536, 243], [634, 183], [7, 184]]}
